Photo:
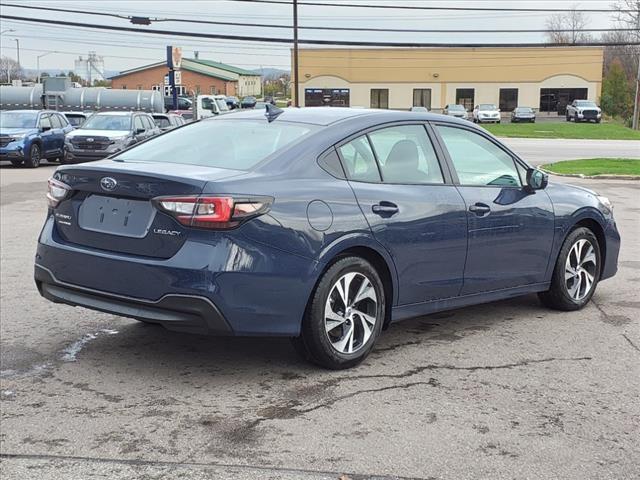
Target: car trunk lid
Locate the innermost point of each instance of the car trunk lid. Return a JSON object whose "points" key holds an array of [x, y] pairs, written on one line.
{"points": [[110, 207]]}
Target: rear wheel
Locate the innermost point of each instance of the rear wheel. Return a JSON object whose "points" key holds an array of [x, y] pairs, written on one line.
{"points": [[34, 156], [576, 272], [345, 315]]}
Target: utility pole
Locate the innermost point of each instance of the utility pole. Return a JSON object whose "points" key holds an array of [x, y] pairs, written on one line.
{"points": [[296, 82], [17, 51], [636, 105]]}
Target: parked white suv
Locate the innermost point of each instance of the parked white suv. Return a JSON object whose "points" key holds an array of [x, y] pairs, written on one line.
{"points": [[583, 110], [486, 112]]}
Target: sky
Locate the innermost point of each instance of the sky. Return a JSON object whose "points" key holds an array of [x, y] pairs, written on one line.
{"points": [[121, 51]]}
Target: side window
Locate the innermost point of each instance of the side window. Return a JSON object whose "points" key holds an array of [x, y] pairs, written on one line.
{"points": [[148, 123], [405, 155], [478, 161], [137, 123], [45, 121], [55, 122], [359, 161], [63, 120]]}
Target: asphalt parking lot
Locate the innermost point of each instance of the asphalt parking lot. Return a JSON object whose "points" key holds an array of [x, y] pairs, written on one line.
{"points": [[503, 390]]}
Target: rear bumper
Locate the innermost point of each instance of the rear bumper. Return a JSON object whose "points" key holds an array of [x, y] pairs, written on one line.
{"points": [[255, 289], [186, 313]]}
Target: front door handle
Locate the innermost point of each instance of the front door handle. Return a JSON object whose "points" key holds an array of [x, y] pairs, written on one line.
{"points": [[385, 209], [480, 209]]}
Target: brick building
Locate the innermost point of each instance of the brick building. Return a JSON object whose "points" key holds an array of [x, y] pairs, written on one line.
{"points": [[198, 77]]}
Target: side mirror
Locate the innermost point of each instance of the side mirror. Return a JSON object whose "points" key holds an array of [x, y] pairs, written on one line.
{"points": [[536, 179], [140, 130], [45, 129]]}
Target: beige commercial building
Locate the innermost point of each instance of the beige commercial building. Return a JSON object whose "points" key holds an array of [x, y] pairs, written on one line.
{"points": [[545, 78]]}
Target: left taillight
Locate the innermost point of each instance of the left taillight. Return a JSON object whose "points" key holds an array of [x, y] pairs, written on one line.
{"points": [[213, 212], [56, 192]]}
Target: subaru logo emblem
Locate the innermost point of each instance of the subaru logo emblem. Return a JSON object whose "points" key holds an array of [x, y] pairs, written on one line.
{"points": [[90, 140], [109, 184]]}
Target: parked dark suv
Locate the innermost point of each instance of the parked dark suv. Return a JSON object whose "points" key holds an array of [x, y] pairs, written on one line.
{"points": [[106, 133]]}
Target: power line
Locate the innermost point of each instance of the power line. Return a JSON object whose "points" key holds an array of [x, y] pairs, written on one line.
{"points": [[323, 28], [464, 9], [255, 38]]}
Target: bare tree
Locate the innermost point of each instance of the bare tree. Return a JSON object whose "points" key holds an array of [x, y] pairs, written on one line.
{"points": [[10, 70], [574, 22], [627, 54], [627, 15]]}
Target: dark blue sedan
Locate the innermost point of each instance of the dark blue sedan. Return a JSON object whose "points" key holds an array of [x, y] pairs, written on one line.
{"points": [[29, 136], [323, 225]]}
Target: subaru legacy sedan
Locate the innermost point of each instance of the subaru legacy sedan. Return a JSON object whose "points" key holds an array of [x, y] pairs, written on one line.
{"points": [[322, 224]]}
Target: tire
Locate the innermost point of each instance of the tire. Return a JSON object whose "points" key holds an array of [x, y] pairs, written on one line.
{"points": [[598, 120], [16, 163], [572, 288], [342, 341], [567, 117], [34, 156]]}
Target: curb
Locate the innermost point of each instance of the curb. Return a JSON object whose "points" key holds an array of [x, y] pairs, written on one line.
{"points": [[590, 177]]}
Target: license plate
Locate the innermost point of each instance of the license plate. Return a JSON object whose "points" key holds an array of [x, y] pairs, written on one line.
{"points": [[116, 216]]}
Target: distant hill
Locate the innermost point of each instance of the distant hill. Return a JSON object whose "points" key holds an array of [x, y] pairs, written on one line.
{"points": [[270, 73]]}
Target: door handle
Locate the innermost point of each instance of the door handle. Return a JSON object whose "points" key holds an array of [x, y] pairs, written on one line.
{"points": [[385, 209], [480, 209]]}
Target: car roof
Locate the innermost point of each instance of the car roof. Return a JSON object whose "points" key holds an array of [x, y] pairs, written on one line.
{"points": [[119, 114], [26, 110], [325, 116]]}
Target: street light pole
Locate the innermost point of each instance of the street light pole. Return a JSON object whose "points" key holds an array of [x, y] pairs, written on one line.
{"points": [[17, 51], [636, 105], [38, 62], [296, 80]]}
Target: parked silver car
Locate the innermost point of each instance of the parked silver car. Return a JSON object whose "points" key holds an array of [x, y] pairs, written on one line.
{"points": [[456, 111]]}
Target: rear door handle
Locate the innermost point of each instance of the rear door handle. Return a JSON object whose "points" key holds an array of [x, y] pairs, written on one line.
{"points": [[385, 209], [480, 209]]}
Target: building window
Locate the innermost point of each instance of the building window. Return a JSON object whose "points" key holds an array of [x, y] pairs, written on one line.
{"points": [[213, 90], [124, 87], [465, 97], [156, 88], [557, 99], [326, 97], [422, 97], [139, 87], [379, 98], [508, 99]]}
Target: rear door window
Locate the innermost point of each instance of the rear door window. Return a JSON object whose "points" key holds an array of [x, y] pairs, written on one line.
{"points": [[359, 161], [406, 155]]}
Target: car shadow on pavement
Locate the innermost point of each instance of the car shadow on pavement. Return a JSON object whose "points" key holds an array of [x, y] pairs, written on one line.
{"points": [[152, 350]]}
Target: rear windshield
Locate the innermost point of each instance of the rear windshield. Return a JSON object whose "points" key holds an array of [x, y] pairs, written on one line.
{"points": [[233, 144], [487, 106]]}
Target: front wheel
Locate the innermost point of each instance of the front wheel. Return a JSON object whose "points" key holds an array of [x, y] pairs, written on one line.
{"points": [[34, 156], [344, 317], [576, 272]]}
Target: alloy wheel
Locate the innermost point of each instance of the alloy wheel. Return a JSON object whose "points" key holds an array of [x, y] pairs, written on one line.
{"points": [[580, 269], [351, 313]]}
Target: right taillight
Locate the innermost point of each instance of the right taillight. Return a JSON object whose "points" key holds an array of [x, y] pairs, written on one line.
{"points": [[211, 211], [56, 192]]}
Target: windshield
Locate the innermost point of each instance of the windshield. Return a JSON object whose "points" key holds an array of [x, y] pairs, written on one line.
{"points": [[219, 143], [18, 119], [487, 106], [585, 103], [524, 110], [108, 122], [456, 107]]}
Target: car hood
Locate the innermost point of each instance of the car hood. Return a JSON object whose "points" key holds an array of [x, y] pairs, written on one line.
{"points": [[86, 132], [488, 111], [18, 131]]}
